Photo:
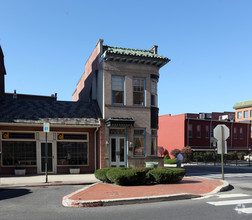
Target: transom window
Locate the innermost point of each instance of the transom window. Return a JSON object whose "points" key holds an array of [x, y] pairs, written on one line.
{"points": [[117, 90], [139, 91]]}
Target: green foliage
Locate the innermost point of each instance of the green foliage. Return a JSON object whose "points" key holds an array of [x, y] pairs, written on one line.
{"points": [[167, 157], [233, 155], [167, 175], [101, 174], [171, 161], [186, 160], [241, 155], [208, 156], [126, 176]]}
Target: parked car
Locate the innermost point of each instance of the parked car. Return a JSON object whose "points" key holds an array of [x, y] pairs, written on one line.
{"points": [[248, 157]]}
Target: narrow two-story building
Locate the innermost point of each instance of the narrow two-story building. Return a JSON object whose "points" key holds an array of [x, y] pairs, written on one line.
{"points": [[124, 82]]}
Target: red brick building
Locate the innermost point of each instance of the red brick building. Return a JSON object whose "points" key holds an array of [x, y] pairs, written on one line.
{"points": [[196, 131]]}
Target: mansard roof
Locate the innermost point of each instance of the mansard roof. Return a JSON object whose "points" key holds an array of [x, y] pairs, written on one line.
{"points": [[28, 111]]}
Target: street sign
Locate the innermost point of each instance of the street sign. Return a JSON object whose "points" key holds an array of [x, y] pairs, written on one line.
{"points": [[221, 133], [46, 127], [46, 130], [217, 132], [219, 145]]}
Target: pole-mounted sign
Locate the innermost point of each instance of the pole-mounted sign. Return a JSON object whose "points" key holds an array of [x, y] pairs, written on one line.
{"points": [[46, 130], [221, 133]]}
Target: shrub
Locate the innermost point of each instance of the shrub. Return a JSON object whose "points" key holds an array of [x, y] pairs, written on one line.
{"points": [[232, 155], [186, 160], [208, 156], [167, 175], [171, 161], [197, 156], [167, 157], [101, 174], [126, 176], [241, 155]]}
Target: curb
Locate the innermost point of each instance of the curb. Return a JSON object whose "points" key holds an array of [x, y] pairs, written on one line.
{"points": [[46, 184], [67, 202]]}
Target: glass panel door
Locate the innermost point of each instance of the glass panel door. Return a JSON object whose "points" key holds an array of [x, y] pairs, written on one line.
{"points": [[117, 151], [43, 157]]}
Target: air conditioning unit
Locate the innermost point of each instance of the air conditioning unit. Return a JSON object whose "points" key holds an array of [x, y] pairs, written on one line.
{"points": [[205, 115], [223, 117], [202, 116], [226, 118]]}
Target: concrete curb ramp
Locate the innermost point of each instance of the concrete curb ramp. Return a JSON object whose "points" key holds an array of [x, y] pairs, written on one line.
{"points": [[68, 202]]}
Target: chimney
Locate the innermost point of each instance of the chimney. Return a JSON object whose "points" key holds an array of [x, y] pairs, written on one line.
{"points": [[2, 73], [154, 49], [15, 94]]}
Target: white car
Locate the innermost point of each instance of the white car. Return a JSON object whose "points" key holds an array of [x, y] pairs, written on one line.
{"points": [[248, 157]]}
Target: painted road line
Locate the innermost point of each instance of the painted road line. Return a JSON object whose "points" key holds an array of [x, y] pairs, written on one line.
{"points": [[245, 210], [225, 196], [231, 202]]}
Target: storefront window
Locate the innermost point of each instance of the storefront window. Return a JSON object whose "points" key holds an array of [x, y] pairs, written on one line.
{"points": [[72, 153], [15, 153], [139, 142]]}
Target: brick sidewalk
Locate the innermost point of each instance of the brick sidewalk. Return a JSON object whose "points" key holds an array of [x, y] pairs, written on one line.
{"points": [[101, 193]]}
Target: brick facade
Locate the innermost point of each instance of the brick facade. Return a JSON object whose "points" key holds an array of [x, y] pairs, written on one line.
{"points": [[174, 132]]}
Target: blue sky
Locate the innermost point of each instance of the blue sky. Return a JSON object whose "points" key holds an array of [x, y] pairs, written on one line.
{"points": [[46, 44]]}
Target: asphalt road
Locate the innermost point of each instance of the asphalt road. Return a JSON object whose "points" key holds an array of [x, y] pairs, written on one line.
{"points": [[45, 203]]}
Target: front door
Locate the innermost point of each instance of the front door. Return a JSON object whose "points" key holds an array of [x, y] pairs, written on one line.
{"points": [[117, 152], [43, 157]]}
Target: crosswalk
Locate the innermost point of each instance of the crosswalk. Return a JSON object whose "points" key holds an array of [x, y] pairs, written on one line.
{"points": [[218, 175], [242, 202]]}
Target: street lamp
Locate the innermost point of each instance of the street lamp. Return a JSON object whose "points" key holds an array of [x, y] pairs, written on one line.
{"points": [[249, 156]]}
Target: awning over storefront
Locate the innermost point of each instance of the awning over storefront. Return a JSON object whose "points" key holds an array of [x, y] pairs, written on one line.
{"points": [[119, 122]]}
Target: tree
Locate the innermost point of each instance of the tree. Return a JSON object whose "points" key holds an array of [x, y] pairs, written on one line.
{"points": [[175, 152], [166, 152], [187, 153], [161, 151]]}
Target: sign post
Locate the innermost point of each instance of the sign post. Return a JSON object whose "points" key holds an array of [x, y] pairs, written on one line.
{"points": [[46, 130], [221, 133]]}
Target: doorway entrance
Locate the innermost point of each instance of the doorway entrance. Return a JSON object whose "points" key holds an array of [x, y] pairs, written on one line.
{"points": [[50, 164], [117, 152]]}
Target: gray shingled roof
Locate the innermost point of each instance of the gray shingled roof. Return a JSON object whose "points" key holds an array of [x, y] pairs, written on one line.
{"points": [[55, 112]]}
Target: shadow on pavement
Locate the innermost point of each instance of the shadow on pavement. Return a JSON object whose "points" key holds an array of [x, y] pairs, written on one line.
{"points": [[13, 193], [189, 181]]}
